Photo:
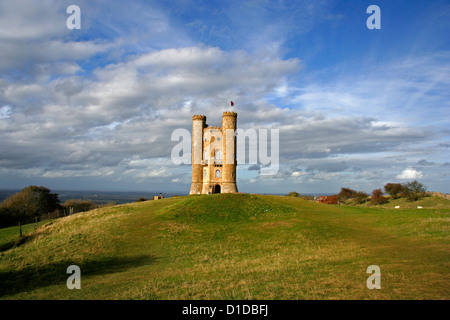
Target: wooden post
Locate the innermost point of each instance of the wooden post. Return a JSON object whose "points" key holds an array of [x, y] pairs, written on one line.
{"points": [[20, 229], [35, 224]]}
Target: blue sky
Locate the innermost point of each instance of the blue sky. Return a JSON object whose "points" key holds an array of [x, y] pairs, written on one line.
{"points": [[95, 108]]}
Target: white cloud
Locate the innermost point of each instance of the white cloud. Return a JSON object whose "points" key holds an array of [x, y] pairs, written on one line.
{"points": [[129, 109], [25, 20], [5, 111], [410, 173], [323, 176]]}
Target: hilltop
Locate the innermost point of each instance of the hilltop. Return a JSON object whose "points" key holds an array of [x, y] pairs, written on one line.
{"points": [[233, 246]]}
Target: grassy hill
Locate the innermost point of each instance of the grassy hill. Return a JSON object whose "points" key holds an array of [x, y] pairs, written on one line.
{"points": [[236, 246]]}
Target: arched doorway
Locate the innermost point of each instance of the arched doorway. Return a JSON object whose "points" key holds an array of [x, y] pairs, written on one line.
{"points": [[217, 189]]}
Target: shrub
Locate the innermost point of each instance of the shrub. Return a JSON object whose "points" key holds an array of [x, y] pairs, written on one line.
{"points": [[361, 197], [377, 197], [350, 196], [414, 190], [79, 205], [395, 190], [293, 194], [345, 194]]}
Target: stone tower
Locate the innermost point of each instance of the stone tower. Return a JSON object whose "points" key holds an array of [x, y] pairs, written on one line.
{"points": [[214, 155]]}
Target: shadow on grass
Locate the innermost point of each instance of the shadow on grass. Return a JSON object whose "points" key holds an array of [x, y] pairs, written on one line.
{"points": [[31, 278], [14, 243], [18, 241]]}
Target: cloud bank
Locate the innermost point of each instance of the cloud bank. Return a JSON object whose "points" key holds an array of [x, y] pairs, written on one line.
{"points": [[96, 109]]}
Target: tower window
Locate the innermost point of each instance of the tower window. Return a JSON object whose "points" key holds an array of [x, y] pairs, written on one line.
{"points": [[218, 155], [217, 173], [204, 174]]}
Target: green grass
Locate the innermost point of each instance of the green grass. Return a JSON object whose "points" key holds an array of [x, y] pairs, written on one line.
{"points": [[236, 246], [10, 237], [428, 202]]}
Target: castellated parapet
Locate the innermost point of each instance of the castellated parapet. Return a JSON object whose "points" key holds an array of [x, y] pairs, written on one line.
{"points": [[214, 155], [198, 117]]}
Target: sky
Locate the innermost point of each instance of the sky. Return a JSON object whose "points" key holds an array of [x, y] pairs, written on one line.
{"points": [[94, 108]]}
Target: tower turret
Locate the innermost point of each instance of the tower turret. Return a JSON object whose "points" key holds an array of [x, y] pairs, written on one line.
{"points": [[229, 122], [198, 123]]}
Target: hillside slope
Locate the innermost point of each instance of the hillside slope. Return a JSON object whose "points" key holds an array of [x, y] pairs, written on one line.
{"points": [[236, 246]]}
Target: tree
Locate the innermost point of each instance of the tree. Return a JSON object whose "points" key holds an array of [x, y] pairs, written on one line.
{"points": [[377, 197], [22, 206], [395, 190], [345, 194], [5, 217], [357, 197], [31, 202], [46, 201], [293, 194], [414, 190]]}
